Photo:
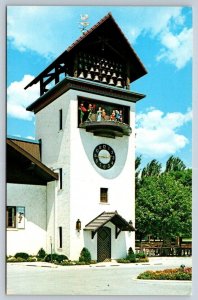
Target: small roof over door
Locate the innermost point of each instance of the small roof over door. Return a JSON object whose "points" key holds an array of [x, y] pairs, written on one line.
{"points": [[120, 223]]}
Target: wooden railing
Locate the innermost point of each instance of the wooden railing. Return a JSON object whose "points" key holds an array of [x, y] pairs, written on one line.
{"points": [[158, 249]]}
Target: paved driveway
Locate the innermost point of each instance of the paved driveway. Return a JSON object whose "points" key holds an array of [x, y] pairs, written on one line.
{"points": [[99, 279]]}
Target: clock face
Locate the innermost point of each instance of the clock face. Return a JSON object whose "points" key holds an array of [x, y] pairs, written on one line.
{"points": [[104, 156]]}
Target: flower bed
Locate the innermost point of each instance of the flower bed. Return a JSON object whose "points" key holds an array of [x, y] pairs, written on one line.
{"points": [[181, 273]]}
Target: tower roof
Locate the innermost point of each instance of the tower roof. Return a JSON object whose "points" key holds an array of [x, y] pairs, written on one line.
{"points": [[105, 37]]}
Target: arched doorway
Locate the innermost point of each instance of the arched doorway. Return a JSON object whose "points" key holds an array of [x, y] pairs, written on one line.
{"points": [[104, 244]]}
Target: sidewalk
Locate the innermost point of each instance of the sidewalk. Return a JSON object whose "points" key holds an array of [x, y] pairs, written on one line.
{"points": [[163, 261]]}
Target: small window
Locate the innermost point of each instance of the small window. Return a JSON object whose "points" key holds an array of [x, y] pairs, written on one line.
{"points": [[60, 119], [104, 195], [60, 178], [11, 217], [60, 237]]}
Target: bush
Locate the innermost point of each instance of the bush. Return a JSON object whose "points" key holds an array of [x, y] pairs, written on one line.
{"points": [[61, 257], [11, 259], [168, 274], [55, 257], [85, 255], [130, 251], [143, 259], [41, 253], [123, 261], [141, 255], [23, 255], [20, 259], [131, 255], [32, 259]]}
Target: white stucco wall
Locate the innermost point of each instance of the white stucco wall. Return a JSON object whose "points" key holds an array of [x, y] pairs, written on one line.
{"points": [[33, 236], [87, 179], [72, 150]]}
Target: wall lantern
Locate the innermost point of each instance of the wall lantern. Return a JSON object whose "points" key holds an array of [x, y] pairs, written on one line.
{"points": [[78, 225]]}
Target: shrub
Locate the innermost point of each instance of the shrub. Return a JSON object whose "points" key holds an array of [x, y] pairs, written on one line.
{"points": [[23, 255], [85, 255], [41, 253], [131, 255], [141, 255], [32, 259], [55, 257], [143, 259], [11, 259], [168, 274], [61, 257], [130, 251], [20, 259], [123, 261]]}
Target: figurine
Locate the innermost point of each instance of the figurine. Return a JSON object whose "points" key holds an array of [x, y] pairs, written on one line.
{"points": [[99, 114], [112, 116], [82, 112]]}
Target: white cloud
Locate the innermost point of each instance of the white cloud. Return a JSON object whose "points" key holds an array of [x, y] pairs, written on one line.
{"points": [[49, 30], [39, 28], [18, 98], [29, 137], [177, 48], [167, 25], [157, 132]]}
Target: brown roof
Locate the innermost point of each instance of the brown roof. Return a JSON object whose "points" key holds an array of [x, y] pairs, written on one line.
{"points": [[106, 217], [107, 26], [29, 146], [23, 168]]}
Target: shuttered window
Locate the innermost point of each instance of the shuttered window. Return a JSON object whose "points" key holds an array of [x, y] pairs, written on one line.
{"points": [[104, 195]]}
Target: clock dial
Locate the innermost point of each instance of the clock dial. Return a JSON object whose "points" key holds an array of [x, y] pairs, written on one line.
{"points": [[104, 156]]}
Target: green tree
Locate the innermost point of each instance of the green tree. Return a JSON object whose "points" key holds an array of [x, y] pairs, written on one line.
{"points": [[137, 172], [163, 207], [152, 169], [174, 164]]}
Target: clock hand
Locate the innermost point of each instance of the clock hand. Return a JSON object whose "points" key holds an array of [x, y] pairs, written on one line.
{"points": [[103, 156]]}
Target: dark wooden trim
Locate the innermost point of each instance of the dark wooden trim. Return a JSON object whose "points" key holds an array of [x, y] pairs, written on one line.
{"points": [[93, 234], [85, 86], [117, 231]]}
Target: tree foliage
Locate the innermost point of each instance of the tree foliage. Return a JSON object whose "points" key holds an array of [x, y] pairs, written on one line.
{"points": [[163, 201], [174, 164], [152, 169]]}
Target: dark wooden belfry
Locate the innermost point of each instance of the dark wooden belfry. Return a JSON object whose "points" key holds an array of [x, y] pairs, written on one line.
{"points": [[102, 55]]}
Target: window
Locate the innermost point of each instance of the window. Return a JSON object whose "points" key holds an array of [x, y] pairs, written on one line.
{"points": [[60, 119], [104, 195], [15, 217], [60, 237], [60, 178], [11, 217]]}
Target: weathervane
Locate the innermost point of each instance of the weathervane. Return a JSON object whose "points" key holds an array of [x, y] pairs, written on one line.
{"points": [[84, 23]]}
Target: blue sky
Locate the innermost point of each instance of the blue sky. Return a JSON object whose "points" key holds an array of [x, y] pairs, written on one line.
{"points": [[162, 38]]}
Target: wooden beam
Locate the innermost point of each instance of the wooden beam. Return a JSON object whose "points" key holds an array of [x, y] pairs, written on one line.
{"points": [[117, 231], [93, 234]]}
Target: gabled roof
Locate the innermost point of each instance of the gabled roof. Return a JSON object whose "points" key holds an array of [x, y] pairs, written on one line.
{"points": [[31, 146], [23, 168], [115, 39], [106, 217]]}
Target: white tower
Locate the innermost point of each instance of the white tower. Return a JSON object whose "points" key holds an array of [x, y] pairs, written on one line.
{"points": [[86, 126]]}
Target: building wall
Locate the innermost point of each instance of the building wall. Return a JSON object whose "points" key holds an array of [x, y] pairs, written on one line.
{"points": [[87, 179], [72, 150], [33, 236]]}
